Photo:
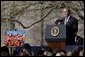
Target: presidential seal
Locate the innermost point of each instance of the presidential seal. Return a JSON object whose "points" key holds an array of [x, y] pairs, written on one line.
{"points": [[54, 31]]}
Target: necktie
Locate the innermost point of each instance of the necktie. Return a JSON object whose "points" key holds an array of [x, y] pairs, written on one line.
{"points": [[65, 21]]}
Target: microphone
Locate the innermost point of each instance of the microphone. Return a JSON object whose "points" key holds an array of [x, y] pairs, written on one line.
{"points": [[58, 21]]}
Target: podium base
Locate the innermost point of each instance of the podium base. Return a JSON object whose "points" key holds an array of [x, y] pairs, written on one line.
{"points": [[56, 44]]}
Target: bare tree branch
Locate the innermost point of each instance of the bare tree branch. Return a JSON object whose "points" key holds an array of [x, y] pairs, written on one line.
{"points": [[22, 11], [34, 22]]}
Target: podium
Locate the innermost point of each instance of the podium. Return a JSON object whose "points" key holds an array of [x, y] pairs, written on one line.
{"points": [[55, 36]]}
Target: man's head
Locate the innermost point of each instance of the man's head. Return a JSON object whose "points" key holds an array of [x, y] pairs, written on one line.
{"points": [[26, 50], [65, 12], [4, 51]]}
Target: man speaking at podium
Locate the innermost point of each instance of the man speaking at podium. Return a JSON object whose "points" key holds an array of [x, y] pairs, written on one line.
{"points": [[71, 26]]}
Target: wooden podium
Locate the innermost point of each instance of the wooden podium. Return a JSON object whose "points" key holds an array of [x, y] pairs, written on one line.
{"points": [[55, 36]]}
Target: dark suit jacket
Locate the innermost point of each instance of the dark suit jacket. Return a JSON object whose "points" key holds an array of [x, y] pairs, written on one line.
{"points": [[71, 28]]}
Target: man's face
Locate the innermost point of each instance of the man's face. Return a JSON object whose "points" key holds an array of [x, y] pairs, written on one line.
{"points": [[65, 12]]}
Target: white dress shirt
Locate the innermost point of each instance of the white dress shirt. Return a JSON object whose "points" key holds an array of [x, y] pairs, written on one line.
{"points": [[66, 20]]}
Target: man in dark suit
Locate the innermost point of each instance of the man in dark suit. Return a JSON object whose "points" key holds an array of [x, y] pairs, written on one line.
{"points": [[71, 26]]}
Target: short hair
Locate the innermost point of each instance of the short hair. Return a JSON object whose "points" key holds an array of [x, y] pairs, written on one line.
{"points": [[67, 9], [27, 46]]}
